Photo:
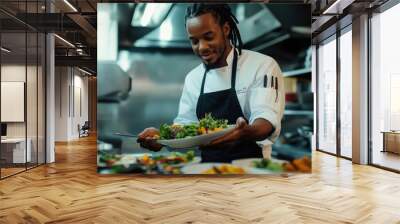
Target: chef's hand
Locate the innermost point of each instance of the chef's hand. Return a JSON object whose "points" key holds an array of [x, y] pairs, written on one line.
{"points": [[234, 135], [147, 140]]}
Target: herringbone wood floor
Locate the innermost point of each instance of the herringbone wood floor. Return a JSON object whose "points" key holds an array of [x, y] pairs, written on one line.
{"points": [[70, 191]]}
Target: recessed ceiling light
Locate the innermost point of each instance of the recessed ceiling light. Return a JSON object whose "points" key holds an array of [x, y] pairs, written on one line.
{"points": [[70, 5], [336, 8], [84, 71], [5, 50], [64, 40]]}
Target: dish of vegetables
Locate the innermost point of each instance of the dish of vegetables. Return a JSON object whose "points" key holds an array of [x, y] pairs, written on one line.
{"points": [[260, 166], [146, 163], [196, 134], [268, 164], [206, 125], [213, 168]]}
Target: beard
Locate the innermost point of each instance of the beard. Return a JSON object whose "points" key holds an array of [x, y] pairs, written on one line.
{"points": [[221, 58]]}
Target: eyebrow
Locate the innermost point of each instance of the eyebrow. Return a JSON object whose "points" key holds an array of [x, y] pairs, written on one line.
{"points": [[204, 34]]}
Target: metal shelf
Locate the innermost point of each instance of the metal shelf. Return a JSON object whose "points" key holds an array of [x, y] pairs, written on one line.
{"points": [[299, 112], [297, 72]]}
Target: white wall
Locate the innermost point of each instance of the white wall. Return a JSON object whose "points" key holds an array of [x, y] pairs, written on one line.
{"points": [[80, 115], [33, 127], [70, 83], [16, 73], [10, 73], [61, 103]]}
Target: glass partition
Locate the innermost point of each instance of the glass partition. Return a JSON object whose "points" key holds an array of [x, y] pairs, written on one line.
{"points": [[23, 91], [31, 100], [13, 105]]}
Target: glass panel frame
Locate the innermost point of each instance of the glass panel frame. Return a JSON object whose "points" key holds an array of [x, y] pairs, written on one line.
{"points": [[345, 98], [341, 137], [27, 59], [327, 138], [384, 71], [14, 72]]}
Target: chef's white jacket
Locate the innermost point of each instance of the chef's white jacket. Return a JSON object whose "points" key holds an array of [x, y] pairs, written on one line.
{"points": [[256, 100]]}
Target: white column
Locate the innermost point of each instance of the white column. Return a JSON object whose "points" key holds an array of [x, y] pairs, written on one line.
{"points": [[360, 90], [314, 90], [50, 94], [62, 103]]}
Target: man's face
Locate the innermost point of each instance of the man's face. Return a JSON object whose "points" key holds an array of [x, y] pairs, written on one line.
{"points": [[208, 38]]}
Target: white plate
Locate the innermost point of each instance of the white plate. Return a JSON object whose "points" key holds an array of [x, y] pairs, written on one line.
{"points": [[128, 159], [249, 161], [198, 140], [202, 167], [199, 168], [196, 160], [248, 164]]}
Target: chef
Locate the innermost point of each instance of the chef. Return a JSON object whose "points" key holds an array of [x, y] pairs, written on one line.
{"points": [[242, 86]]}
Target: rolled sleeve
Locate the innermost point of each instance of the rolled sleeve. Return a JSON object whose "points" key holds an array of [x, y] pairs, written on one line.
{"points": [[262, 105], [266, 102]]}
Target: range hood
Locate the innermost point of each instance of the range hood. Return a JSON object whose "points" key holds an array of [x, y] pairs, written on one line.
{"points": [[255, 21]]}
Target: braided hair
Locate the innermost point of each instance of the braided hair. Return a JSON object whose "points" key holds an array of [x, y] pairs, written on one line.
{"points": [[222, 12]]}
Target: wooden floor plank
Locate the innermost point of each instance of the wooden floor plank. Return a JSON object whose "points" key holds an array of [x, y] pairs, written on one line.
{"points": [[70, 191]]}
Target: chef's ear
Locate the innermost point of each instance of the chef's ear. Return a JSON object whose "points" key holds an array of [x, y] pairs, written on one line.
{"points": [[226, 29]]}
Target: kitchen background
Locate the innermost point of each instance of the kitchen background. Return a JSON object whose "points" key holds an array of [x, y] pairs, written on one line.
{"points": [[144, 56]]}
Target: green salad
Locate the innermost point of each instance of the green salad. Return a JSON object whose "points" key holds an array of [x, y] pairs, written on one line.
{"points": [[268, 164], [206, 125]]}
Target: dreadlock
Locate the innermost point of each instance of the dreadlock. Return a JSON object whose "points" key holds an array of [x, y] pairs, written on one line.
{"points": [[222, 12]]}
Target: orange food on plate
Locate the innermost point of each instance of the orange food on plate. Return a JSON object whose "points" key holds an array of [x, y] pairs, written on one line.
{"points": [[289, 167], [202, 130], [225, 169], [303, 164], [298, 165]]}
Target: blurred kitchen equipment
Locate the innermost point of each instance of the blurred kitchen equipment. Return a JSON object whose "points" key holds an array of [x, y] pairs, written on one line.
{"points": [[291, 97], [306, 100]]}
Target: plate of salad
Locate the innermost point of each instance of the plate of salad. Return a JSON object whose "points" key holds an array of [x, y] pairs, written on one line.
{"points": [[213, 168], [195, 134], [147, 163], [261, 166]]}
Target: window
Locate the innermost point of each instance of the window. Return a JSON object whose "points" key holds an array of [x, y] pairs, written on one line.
{"points": [[327, 96], [385, 86], [346, 93]]}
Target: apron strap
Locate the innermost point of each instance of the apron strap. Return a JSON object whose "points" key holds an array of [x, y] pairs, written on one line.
{"points": [[234, 66], [204, 80], [233, 73]]}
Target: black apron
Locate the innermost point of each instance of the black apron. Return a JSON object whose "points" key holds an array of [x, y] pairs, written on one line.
{"points": [[225, 105]]}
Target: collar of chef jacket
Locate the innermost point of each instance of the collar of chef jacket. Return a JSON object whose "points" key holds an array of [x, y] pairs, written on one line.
{"points": [[229, 61]]}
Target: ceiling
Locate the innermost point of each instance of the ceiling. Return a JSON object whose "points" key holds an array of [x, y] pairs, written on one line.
{"points": [[332, 15], [76, 23]]}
